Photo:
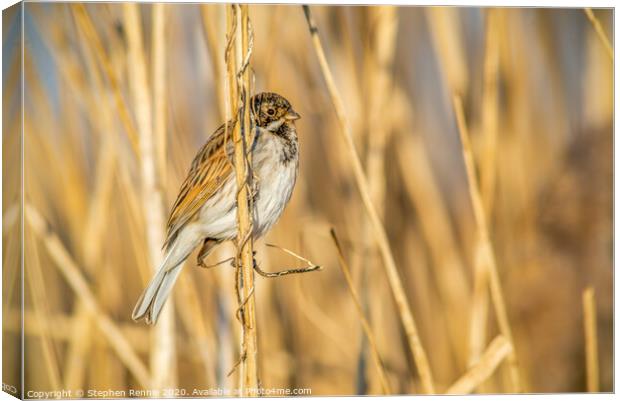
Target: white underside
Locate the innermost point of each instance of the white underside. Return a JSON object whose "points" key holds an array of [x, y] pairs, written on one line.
{"points": [[274, 182]]}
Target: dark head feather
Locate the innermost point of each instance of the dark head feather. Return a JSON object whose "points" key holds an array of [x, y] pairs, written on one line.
{"points": [[268, 107]]}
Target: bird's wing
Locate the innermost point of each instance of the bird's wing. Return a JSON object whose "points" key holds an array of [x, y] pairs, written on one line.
{"points": [[210, 169]]}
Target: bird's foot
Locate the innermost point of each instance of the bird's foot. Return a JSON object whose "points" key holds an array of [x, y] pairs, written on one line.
{"points": [[205, 250]]}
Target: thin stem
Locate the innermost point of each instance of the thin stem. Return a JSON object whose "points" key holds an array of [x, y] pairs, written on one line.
{"points": [[159, 87], [591, 343], [210, 33], [163, 358], [398, 291], [499, 349], [600, 32], [285, 272], [378, 66], [485, 248], [360, 311], [490, 110], [85, 23], [310, 268], [71, 272], [488, 172]]}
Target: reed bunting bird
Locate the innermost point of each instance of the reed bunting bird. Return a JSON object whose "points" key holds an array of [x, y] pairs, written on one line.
{"points": [[205, 209]]}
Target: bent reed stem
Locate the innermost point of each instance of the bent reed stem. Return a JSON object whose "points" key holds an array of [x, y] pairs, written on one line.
{"points": [[406, 316]]}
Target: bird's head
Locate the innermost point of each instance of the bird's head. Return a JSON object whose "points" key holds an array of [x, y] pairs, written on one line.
{"points": [[271, 110]]}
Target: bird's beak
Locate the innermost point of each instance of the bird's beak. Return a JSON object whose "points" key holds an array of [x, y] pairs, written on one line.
{"points": [[292, 115]]}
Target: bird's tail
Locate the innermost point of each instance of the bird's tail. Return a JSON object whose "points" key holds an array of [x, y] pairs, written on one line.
{"points": [[154, 297]]}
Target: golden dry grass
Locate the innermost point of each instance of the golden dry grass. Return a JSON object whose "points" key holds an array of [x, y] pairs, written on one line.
{"points": [[485, 218]]}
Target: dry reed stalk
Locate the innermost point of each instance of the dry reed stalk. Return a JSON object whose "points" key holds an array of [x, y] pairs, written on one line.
{"points": [[74, 367], [365, 260], [423, 190], [439, 235], [365, 325], [91, 99], [499, 349], [192, 317], [416, 348], [321, 321], [479, 307], [271, 58], [336, 160], [70, 176], [382, 45], [228, 92], [134, 225], [238, 74], [600, 32], [11, 263], [210, 33], [38, 294], [85, 23], [485, 248], [591, 342], [490, 111], [71, 272], [379, 70], [163, 358], [225, 330], [488, 172], [480, 299], [96, 223], [598, 75], [63, 328], [158, 63], [137, 336], [93, 239], [76, 359], [446, 35], [110, 370], [552, 62]]}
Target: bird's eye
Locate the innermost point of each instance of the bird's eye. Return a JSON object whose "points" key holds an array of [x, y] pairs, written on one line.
{"points": [[271, 112]]}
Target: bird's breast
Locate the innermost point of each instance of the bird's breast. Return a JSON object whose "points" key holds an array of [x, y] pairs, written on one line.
{"points": [[275, 164]]}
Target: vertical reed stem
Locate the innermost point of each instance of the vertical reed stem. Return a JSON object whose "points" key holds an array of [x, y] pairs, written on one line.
{"points": [[589, 325], [210, 32], [485, 249], [378, 64], [490, 110], [159, 87], [488, 172], [239, 92], [163, 358]]}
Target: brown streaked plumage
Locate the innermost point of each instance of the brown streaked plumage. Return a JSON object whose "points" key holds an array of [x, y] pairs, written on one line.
{"points": [[207, 174], [205, 209]]}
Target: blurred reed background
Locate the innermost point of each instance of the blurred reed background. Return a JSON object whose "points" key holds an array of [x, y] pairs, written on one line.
{"points": [[535, 86]]}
